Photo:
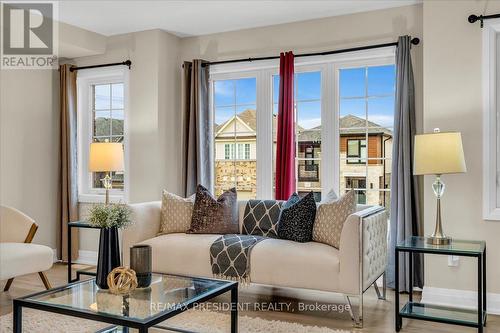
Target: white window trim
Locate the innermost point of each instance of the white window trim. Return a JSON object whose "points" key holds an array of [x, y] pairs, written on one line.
{"points": [[329, 67], [85, 80], [491, 211]]}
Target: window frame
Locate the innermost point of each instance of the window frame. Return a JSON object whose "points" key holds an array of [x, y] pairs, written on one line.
{"points": [[329, 66], [490, 78], [86, 79]]}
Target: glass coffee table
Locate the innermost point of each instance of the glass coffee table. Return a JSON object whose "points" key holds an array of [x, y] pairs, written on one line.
{"points": [[142, 309]]}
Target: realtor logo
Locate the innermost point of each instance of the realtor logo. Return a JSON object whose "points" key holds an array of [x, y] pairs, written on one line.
{"points": [[29, 35]]}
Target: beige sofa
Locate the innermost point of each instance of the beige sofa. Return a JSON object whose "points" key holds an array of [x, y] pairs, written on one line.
{"points": [[350, 270]]}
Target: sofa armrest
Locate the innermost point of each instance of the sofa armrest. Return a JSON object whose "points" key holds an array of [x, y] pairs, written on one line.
{"points": [[145, 225], [363, 249]]}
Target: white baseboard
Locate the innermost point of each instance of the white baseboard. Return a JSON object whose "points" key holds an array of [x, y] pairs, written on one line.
{"points": [[54, 256], [466, 299], [86, 257]]}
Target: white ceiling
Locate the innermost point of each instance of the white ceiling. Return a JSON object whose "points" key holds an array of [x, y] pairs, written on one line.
{"points": [[201, 17]]}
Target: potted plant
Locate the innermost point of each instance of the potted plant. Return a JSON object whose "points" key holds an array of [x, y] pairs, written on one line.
{"points": [[109, 218]]}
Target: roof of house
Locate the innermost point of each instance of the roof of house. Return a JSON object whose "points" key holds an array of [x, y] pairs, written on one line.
{"points": [[349, 125]]}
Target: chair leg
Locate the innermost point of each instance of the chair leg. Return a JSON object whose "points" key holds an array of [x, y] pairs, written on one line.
{"points": [[45, 281], [7, 285]]}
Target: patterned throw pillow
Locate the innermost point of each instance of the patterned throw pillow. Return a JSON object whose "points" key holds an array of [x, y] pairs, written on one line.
{"points": [[330, 219], [214, 216], [175, 213], [297, 218], [261, 218]]}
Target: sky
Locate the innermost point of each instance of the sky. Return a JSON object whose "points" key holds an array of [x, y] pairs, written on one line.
{"points": [[362, 90], [109, 97]]}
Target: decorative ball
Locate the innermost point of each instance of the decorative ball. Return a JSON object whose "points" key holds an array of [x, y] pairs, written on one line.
{"points": [[122, 280]]}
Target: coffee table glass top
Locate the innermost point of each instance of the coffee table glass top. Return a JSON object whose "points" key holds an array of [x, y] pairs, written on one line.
{"points": [[166, 293], [456, 246]]}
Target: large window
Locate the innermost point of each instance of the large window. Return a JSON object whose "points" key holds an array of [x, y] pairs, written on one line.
{"points": [[235, 123], [101, 118], [343, 125], [366, 116]]}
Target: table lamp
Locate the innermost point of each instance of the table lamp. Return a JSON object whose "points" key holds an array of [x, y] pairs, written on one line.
{"points": [[106, 157], [438, 153]]}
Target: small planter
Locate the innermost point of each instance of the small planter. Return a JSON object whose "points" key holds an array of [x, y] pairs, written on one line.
{"points": [[109, 255]]}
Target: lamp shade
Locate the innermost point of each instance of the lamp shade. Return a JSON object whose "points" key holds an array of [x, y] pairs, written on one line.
{"points": [[438, 153], [106, 157]]}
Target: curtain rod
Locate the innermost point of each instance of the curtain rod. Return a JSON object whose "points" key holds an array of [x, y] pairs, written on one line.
{"points": [[123, 63], [474, 18], [414, 41]]}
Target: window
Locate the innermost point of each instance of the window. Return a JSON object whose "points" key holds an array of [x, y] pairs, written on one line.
{"points": [[491, 120], [235, 123], [102, 108], [307, 130], [366, 116], [356, 148], [343, 125], [107, 124]]}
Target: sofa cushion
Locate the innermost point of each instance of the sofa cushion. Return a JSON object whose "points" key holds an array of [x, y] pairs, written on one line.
{"points": [[215, 216], [297, 218], [182, 254], [176, 213], [330, 219], [290, 264], [261, 218], [24, 258]]}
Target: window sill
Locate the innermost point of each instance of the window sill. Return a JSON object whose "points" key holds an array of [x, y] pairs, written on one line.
{"points": [[99, 198]]}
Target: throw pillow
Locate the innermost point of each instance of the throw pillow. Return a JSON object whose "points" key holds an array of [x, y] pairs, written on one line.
{"points": [[214, 216], [175, 213], [261, 218], [330, 219], [297, 218]]}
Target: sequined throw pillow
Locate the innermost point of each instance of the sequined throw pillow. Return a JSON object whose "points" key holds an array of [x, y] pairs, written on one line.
{"points": [[214, 216], [297, 218], [176, 213], [330, 219]]}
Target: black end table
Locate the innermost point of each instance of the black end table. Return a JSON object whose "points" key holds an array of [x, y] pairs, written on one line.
{"points": [[443, 314], [87, 271]]}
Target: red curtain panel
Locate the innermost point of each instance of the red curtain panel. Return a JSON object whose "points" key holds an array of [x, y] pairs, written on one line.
{"points": [[285, 146]]}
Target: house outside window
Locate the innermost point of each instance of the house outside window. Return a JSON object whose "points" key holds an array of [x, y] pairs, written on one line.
{"points": [[234, 111]]}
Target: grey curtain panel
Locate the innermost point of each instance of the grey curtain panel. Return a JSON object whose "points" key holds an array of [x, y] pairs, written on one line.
{"points": [[68, 187], [197, 143], [405, 211]]}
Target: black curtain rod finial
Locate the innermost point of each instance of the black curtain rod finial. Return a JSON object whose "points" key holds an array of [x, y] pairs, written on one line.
{"points": [[473, 18], [415, 41]]}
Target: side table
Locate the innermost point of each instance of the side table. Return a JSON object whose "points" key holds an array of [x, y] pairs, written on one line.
{"points": [[89, 272], [443, 314]]}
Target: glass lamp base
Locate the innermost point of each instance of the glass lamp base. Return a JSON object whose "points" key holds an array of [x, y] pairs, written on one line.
{"points": [[438, 240]]}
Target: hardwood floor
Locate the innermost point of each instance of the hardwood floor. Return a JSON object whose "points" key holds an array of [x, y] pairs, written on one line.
{"points": [[378, 315]]}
